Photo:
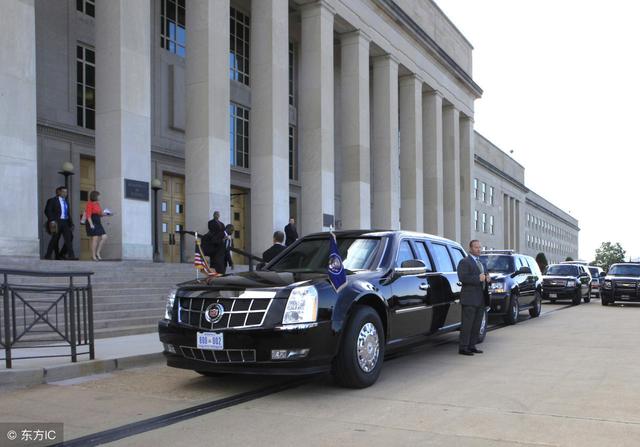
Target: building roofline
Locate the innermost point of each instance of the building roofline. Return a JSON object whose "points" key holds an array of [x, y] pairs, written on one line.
{"points": [[489, 166], [543, 208], [497, 147]]}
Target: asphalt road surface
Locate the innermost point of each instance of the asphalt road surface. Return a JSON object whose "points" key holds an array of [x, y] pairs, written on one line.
{"points": [[568, 378]]}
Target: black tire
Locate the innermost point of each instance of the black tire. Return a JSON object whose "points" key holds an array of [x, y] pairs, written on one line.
{"points": [[553, 301], [348, 371], [604, 301], [210, 374], [577, 298], [514, 310], [587, 298], [483, 327], [534, 312]]}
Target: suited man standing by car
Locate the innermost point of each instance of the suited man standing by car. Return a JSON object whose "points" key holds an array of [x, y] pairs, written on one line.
{"points": [[291, 232], [473, 298], [59, 223], [273, 251]]}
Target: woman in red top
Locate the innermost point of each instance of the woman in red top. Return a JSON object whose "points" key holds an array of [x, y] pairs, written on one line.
{"points": [[95, 230]]}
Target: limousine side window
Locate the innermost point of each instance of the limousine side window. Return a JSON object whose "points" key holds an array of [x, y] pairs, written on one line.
{"points": [[457, 255], [441, 255], [404, 253], [423, 254]]}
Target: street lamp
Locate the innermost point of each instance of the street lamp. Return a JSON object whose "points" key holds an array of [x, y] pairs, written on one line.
{"points": [[156, 185], [67, 171]]}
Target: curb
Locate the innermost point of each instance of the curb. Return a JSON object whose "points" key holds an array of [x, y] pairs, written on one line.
{"points": [[36, 376]]}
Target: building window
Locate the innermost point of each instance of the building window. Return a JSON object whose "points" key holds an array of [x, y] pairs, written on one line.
{"points": [[292, 65], [172, 26], [239, 47], [293, 154], [475, 188], [86, 87], [87, 7], [491, 225], [484, 222], [483, 192], [490, 195], [475, 220], [239, 135]]}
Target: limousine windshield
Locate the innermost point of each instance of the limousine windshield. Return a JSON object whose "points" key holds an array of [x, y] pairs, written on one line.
{"points": [[312, 254]]}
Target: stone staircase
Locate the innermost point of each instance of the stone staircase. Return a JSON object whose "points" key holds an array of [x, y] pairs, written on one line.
{"points": [[129, 297]]}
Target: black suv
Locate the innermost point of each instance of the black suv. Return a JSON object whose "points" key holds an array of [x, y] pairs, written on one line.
{"points": [[571, 281], [622, 283], [290, 319], [516, 284]]}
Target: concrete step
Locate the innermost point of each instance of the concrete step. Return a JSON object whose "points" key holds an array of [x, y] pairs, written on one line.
{"points": [[127, 330], [131, 305], [131, 291]]}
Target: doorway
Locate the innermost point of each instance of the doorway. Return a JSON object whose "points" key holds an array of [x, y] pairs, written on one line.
{"points": [[172, 212], [239, 219], [87, 184]]}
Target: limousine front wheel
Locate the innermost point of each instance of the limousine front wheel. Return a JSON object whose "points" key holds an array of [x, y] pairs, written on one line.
{"points": [[359, 361]]}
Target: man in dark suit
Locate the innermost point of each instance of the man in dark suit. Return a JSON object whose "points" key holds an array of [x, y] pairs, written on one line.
{"points": [[59, 223], [473, 298], [291, 232], [277, 247], [228, 245], [214, 243]]}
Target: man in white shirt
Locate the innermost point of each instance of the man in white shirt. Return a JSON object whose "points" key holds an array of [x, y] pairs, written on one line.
{"points": [[59, 223]]}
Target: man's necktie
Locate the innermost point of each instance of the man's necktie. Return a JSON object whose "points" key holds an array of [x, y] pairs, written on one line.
{"points": [[480, 266]]}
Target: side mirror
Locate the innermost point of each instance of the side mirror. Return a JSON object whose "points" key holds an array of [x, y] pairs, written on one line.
{"points": [[603, 274], [411, 267], [525, 270]]}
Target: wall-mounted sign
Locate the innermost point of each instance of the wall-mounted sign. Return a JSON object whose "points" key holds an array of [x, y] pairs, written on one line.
{"points": [[136, 190]]}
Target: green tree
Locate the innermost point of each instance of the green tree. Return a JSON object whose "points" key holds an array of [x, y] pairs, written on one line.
{"points": [[569, 258], [542, 262], [608, 254]]}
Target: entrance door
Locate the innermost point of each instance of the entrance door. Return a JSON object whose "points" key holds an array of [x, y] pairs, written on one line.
{"points": [[172, 212], [87, 184], [238, 219]]}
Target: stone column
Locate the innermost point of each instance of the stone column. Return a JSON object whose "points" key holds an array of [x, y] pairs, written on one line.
{"points": [[451, 146], [207, 154], [19, 210], [269, 127], [123, 122], [316, 117], [386, 163], [466, 178], [432, 163], [506, 213], [356, 175], [512, 223], [517, 226], [411, 186]]}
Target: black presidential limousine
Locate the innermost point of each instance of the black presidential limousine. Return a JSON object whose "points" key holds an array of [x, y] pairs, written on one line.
{"points": [[290, 319]]}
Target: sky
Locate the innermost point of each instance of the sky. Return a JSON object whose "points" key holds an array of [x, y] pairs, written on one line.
{"points": [[561, 81]]}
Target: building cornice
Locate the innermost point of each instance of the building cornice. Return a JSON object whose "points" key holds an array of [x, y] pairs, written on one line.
{"points": [[551, 213], [421, 36], [65, 133], [485, 164]]}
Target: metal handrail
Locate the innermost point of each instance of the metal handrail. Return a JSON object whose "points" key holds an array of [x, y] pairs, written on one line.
{"points": [[250, 257], [76, 328]]}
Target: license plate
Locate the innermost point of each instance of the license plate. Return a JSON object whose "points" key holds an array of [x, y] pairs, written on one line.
{"points": [[210, 340], [553, 295]]}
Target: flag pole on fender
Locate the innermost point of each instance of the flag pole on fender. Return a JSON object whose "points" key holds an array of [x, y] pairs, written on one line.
{"points": [[335, 268]]}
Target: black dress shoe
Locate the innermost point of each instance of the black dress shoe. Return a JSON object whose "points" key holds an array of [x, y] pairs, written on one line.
{"points": [[465, 352], [476, 350]]}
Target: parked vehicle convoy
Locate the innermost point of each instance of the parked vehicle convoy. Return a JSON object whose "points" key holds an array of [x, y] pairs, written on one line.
{"points": [[567, 281], [290, 319], [516, 284], [622, 283], [597, 276]]}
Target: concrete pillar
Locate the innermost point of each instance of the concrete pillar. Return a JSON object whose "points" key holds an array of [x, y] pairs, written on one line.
{"points": [[316, 117], [269, 127], [19, 211], [466, 178], [356, 162], [411, 189], [518, 228], [386, 163], [506, 213], [432, 163], [512, 223], [451, 146], [207, 154], [123, 123]]}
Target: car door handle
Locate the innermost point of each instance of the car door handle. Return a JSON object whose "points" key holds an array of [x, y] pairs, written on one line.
{"points": [[424, 286]]}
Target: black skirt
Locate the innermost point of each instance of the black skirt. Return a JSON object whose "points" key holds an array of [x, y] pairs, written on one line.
{"points": [[98, 229]]}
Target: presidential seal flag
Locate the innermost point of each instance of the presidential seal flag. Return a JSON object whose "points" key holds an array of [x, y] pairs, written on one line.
{"points": [[337, 275]]}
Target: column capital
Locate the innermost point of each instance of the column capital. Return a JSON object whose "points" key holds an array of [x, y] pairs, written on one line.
{"points": [[313, 7], [354, 37], [434, 92], [412, 77], [385, 58]]}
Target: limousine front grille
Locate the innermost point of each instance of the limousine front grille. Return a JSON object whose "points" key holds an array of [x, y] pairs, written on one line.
{"points": [[222, 356], [236, 313]]}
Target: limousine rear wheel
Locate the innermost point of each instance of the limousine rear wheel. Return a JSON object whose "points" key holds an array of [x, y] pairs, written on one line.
{"points": [[359, 361], [514, 310]]}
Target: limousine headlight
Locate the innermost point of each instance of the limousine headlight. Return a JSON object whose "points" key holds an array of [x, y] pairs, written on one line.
{"points": [[168, 310], [302, 306]]}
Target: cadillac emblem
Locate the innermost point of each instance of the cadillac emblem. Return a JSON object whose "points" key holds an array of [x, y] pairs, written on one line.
{"points": [[214, 313]]}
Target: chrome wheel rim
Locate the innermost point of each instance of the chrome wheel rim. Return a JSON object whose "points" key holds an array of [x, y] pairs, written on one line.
{"points": [[514, 309], [368, 347], [483, 323], [538, 304]]}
